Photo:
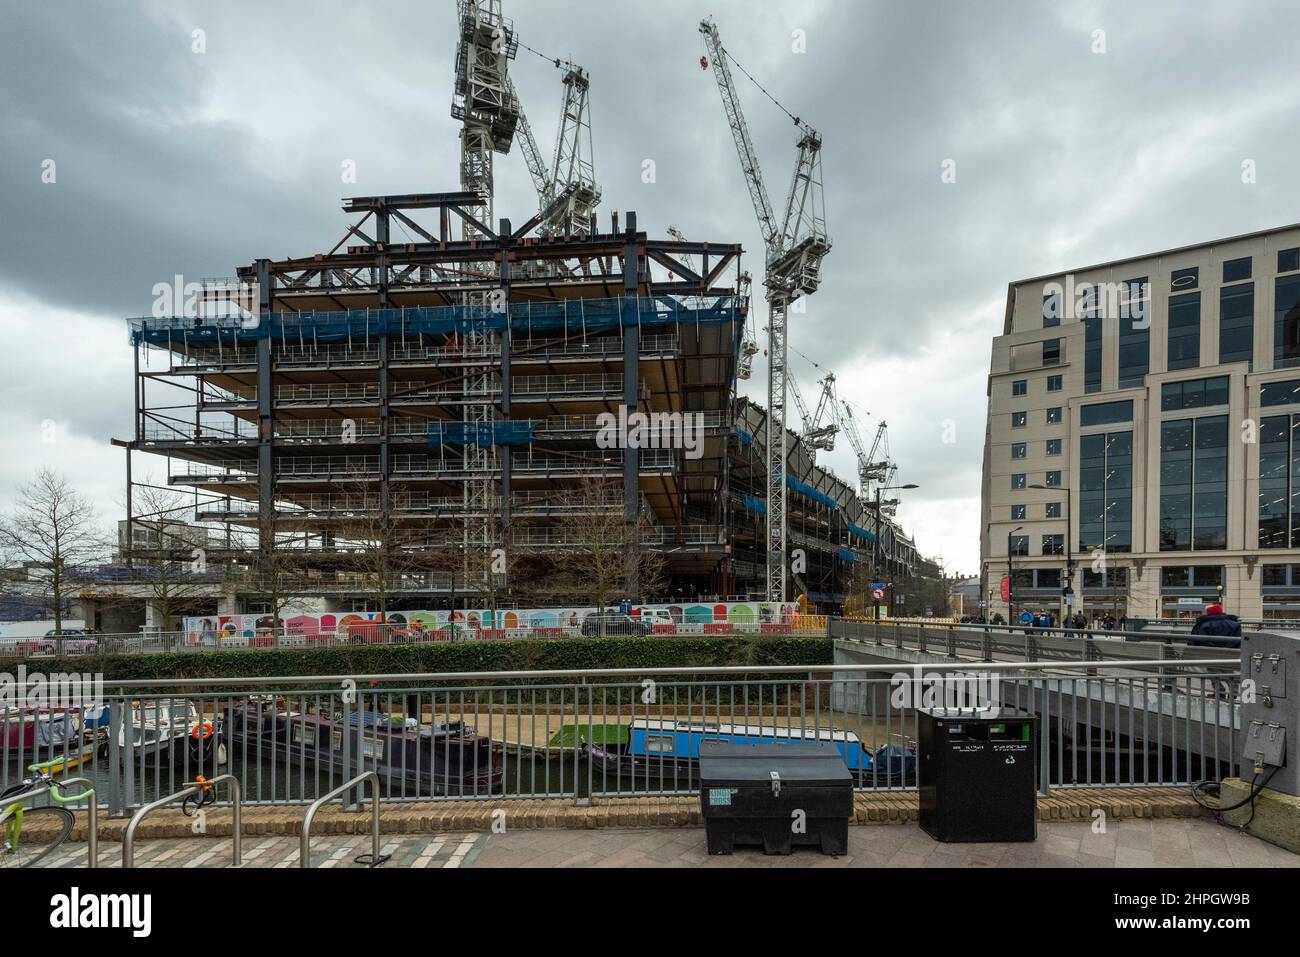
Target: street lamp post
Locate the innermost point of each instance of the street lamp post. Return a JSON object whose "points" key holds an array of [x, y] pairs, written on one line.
{"points": [[875, 552], [1068, 583]]}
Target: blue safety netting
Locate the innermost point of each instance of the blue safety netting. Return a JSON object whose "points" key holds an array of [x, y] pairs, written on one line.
{"points": [[861, 532], [755, 504], [575, 316], [745, 437], [807, 491], [845, 555], [484, 435]]}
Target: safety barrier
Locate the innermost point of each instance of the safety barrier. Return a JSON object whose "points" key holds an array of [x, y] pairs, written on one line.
{"points": [[304, 841], [193, 788]]}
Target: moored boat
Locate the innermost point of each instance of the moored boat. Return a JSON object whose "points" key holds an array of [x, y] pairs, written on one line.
{"points": [[669, 752], [448, 758], [170, 732]]}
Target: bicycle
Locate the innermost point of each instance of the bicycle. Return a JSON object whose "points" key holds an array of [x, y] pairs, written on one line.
{"points": [[17, 853]]}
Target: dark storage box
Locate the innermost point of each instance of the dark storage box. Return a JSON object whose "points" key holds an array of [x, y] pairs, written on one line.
{"points": [[752, 793], [978, 774]]}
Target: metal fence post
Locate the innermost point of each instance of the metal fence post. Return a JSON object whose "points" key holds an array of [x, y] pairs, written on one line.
{"points": [[116, 799], [345, 797], [1044, 736]]}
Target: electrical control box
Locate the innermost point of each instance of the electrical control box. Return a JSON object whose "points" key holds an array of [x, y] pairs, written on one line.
{"points": [[1268, 721]]}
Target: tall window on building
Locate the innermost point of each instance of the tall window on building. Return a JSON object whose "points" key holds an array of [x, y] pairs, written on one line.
{"points": [[1106, 492], [1090, 313], [1194, 483], [1052, 310], [1237, 323], [1277, 447], [1185, 331], [1092, 354], [1286, 321], [1134, 333], [1051, 352]]}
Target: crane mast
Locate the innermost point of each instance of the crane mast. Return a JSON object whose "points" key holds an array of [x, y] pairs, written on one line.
{"points": [[795, 247], [567, 194], [485, 102]]}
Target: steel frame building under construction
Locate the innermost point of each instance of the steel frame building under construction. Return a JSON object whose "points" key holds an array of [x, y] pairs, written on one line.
{"points": [[352, 374], [437, 377]]}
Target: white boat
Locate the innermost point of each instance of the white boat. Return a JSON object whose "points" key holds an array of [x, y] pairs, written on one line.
{"points": [[170, 731]]}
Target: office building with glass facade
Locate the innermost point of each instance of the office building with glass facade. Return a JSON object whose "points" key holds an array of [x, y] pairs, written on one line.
{"points": [[1142, 449]]}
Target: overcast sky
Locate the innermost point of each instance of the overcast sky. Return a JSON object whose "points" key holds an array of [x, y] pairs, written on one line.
{"points": [[1070, 147]]}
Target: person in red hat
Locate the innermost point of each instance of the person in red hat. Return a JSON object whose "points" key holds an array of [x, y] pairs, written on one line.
{"points": [[1214, 629]]}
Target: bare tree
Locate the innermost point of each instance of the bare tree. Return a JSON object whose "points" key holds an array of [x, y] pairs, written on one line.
{"points": [[858, 588], [171, 559], [382, 547], [593, 551], [53, 531]]}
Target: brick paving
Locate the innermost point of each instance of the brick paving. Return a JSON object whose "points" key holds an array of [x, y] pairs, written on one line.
{"points": [[1145, 827], [1132, 842], [1187, 842], [333, 851]]}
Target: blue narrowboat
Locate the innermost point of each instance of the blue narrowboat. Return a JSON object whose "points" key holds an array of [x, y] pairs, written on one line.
{"points": [[671, 749]]}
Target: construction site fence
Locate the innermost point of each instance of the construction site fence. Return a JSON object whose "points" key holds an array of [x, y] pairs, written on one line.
{"points": [[373, 633]]}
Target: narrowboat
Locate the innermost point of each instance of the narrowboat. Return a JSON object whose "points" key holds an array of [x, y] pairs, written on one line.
{"points": [[446, 758], [670, 751]]}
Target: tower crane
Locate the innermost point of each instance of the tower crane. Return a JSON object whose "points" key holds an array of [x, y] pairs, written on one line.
{"points": [[567, 194], [819, 428], [871, 470], [795, 246]]}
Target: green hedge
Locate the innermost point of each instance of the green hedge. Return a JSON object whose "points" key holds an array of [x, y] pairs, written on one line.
{"points": [[538, 655]]}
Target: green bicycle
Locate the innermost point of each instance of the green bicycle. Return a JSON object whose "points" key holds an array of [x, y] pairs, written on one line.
{"points": [[53, 824]]}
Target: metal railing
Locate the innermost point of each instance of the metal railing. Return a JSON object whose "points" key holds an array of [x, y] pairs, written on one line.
{"points": [[304, 841], [191, 789], [1028, 643], [589, 734]]}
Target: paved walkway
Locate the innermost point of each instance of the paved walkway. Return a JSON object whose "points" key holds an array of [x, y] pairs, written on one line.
{"points": [[340, 850], [1140, 842]]}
